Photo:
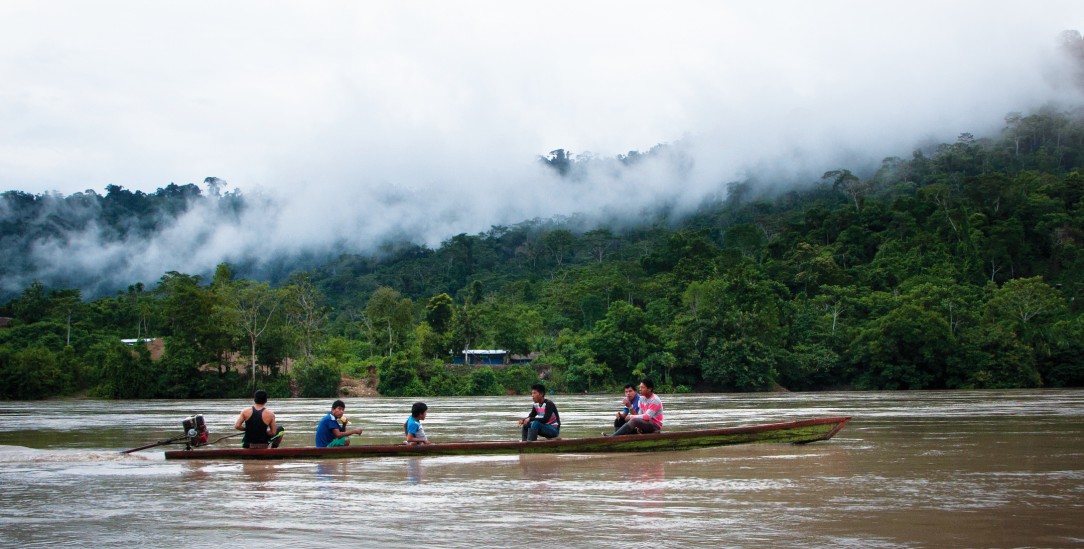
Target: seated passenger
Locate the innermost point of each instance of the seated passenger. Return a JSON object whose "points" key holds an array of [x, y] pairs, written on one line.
{"points": [[329, 432], [415, 433], [632, 406], [649, 420], [258, 423], [543, 419]]}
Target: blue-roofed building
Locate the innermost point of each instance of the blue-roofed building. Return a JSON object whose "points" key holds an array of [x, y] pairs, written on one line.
{"points": [[493, 357], [482, 357]]}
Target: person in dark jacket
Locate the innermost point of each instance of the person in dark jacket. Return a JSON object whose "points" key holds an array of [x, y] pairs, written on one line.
{"points": [[543, 420]]}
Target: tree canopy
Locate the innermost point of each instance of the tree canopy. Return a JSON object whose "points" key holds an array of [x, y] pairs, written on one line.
{"points": [[958, 266]]}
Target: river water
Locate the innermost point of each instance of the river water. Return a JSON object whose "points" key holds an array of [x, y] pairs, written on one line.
{"points": [[913, 469]]}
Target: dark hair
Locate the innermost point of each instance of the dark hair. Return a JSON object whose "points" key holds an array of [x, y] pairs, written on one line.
{"points": [[338, 404], [630, 386], [418, 409], [539, 387], [646, 382], [260, 397]]}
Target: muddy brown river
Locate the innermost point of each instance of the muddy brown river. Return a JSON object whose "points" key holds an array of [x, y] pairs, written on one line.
{"points": [[913, 469]]}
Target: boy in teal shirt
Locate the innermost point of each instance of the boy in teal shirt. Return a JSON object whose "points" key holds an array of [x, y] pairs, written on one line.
{"points": [[415, 433]]}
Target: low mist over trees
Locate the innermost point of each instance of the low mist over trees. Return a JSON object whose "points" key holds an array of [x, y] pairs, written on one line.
{"points": [[954, 267], [39, 232]]}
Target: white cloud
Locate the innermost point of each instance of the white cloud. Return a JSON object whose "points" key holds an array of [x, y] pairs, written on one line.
{"points": [[363, 121]]}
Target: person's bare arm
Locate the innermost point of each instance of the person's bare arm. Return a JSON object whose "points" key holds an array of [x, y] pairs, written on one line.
{"points": [[241, 419], [269, 418], [339, 434]]}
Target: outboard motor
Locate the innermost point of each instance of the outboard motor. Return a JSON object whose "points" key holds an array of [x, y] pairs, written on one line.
{"points": [[195, 430]]}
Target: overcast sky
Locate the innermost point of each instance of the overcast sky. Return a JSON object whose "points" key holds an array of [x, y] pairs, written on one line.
{"points": [[367, 119]]}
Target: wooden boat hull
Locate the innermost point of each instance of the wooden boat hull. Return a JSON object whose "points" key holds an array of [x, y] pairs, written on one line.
{"points": [[800, 432]]}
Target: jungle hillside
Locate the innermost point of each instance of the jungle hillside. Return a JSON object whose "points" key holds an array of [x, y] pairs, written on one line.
{"points": [[954, 266]]}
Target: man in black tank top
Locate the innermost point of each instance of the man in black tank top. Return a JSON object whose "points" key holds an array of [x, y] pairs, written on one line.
{"points": [[258, 423]]}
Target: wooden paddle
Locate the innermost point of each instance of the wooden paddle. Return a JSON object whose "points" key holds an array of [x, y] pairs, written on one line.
{"points": [[182, 437], [159, 443]]}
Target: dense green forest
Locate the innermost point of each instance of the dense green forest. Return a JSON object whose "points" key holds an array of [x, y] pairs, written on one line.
{"points": [[955, 267]]}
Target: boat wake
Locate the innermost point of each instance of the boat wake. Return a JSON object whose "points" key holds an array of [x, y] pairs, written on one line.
{"points": [[22, 454]]}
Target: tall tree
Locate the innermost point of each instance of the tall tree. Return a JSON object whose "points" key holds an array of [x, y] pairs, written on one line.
{"points": [[305, 313], [390, 315], [559, 243], [191, 315], [599, 243], [255, 305], [850, 185], [623, 338], [439, 311], [64, 304], [33, 304]]}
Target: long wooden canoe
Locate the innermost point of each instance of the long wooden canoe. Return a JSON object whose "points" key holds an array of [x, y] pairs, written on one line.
{"points": [[800, 432]]}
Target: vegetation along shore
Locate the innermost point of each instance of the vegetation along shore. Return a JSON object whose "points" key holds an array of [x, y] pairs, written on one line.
{"points": [[953, 266]]}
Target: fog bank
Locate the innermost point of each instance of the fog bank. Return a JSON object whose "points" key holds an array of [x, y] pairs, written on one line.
{"points": [[353, 125]]}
